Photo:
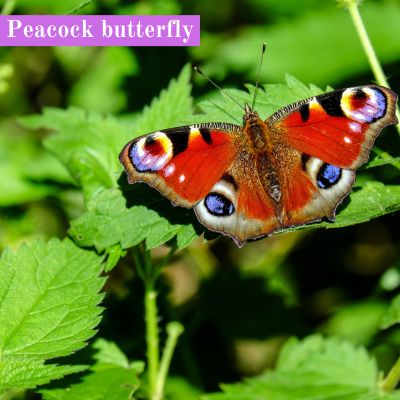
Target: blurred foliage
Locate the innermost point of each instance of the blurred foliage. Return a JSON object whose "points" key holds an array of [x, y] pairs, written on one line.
{"points": [[238, 306]]}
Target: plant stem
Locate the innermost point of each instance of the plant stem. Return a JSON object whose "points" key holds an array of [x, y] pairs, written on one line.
{"points": [[392, 378], [8, 7], [352, 6], [174, 330], [152, 340], [79, 7], [149, 271]]}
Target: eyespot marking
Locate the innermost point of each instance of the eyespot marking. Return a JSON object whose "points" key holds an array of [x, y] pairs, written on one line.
{"points": [[364, 105], [151, 153], [219, 205], [328, 175]]}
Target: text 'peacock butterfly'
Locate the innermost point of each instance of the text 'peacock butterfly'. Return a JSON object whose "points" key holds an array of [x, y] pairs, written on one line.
{"points": [[252, 180]]}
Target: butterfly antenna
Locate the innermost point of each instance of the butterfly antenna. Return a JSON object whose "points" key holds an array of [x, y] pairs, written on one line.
{"points": [[258, 75], [218, 87]]}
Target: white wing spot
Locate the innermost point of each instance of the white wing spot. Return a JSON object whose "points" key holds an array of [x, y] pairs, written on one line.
{"points": [[355, 127], [169, 170], [347, 139]]}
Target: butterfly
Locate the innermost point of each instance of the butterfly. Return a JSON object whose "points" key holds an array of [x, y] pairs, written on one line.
{"points": [[250, 181]]}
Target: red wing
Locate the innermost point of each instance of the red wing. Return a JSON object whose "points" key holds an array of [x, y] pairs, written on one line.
{"points": [[312, 189], [238, 206], [182, 163], [339, 127]]}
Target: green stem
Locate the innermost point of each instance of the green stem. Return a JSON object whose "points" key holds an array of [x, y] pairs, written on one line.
{"points": [[152, 340], [392, 378], [174, 330], [352, 6], [79, 7], [383, 154], [149, 272], [8, 7]]}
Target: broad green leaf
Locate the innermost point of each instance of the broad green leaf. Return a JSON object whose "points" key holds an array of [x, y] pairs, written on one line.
{"points": [[100, 87], [392, 314], [270, 98], [49, 296], [109, 222], [372, 200], [112, 377], [89, 145], [26, 169], [314, 368], [357, 322], [86, 143], [109, 353], [169, 109]]}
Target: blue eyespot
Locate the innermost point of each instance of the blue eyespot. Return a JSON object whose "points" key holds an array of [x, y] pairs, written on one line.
{"points": [[328, 175], [218, 205]]}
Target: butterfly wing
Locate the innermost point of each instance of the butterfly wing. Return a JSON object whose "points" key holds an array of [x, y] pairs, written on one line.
{"points": [[237, 204], [183, 163], [339, 127], [207, 167], [321, 141]]}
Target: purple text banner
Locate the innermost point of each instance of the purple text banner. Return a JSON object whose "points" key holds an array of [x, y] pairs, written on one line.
{"points": [[99, 30]]}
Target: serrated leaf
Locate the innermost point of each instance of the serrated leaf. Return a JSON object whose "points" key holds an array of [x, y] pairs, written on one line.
{"points": [[111, 378], [49, 296], [27, 372], [392, 314], [22, 180], [110, 222], [86, 143], [89, 144], [314, 368], [270, 98], [109, 353], [170, 108], [372, 200]]}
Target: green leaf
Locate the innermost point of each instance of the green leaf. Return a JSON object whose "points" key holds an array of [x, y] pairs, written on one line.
{"points": [[372, 200], [109, 353], [314, 368], [86, 143], [49, 296], [392, 314], [109, 222], [26, 169], [99, 89], [357, 322], [170, 108], [270, 98], [112, 377]]}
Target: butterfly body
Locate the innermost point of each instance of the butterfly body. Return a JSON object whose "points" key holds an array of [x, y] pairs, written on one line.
{"points": [[252, 180]]}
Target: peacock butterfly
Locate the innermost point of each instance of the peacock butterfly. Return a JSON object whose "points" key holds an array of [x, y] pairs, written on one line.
{"points": [[252, 180]]}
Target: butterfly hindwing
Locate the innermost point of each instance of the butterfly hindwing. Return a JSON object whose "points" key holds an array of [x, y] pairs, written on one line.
{"points": [[339, 127], [237, 206], [312, 190], [183, 163]]}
